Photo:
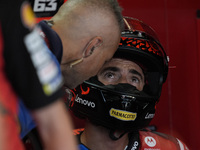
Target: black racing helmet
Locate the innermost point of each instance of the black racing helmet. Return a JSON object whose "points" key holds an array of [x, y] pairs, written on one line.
{"points": [[122, 106], [139, 43]]}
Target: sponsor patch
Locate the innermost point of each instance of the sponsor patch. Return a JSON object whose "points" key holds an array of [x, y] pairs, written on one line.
{"points": [[46, 8], [182, 147], [45, 63], [149, 116], [150, 141], [84, 102], [123, 115], [135, 146]]}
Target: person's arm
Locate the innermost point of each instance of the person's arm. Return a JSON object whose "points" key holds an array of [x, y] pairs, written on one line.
{"points": [[55, 128]]}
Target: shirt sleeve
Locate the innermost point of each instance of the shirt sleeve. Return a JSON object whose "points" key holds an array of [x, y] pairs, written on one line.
{"points": [[30, 66]]}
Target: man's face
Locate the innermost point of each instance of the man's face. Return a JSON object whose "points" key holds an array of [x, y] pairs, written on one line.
{"points": [[90, 65], [122, 71]]}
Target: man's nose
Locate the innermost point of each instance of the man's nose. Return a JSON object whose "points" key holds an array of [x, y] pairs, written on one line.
{"points": [[123, 80]]}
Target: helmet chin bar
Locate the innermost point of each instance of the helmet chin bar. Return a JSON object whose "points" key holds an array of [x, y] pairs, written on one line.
{"points": [[116, 107]]}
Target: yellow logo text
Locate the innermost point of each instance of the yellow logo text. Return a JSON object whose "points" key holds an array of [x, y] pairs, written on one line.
{"points": [[123, 115]]}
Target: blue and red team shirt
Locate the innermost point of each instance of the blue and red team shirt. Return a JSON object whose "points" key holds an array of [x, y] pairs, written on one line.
{"points": [[54, 44], [55, 48], [28, 70], [147, 140]]}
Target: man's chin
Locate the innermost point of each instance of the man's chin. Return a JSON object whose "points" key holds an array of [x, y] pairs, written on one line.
{"points": [[71, 85]]}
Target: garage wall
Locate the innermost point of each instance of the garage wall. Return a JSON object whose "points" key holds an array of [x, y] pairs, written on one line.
{"points": [[178, 27]]}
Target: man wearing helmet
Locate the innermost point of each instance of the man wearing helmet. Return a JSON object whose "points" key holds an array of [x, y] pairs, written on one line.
{"points": [[120, 101]]}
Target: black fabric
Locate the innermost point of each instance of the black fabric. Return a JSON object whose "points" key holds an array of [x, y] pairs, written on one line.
{"points": [[54, 40], [134, 141], [113, 137], [18, 65]]}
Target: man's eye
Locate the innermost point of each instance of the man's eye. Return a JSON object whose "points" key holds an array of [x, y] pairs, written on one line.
{"points": [[109, 75], [135, 80]]}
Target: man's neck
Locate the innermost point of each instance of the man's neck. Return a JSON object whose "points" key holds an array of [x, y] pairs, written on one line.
{"points": [[97, 138]]}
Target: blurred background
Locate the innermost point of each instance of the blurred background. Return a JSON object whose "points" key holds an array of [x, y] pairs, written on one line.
{"points": [[177, 24]]}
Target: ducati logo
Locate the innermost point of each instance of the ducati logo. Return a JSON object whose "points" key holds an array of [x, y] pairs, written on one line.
{"points": [[150, 141]]}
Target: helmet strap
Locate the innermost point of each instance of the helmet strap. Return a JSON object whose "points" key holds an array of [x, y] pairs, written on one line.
{"points": [[134, 141]]}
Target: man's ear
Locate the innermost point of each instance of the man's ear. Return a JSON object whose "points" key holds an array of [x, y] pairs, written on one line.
{"points": [[93, 43]]}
